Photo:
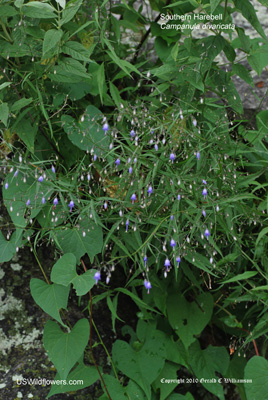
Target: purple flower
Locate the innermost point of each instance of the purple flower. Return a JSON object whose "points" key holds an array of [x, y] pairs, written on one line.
{"points": [[145, 260], [204, 213], [132, 133], [204, 193], [43, 200], [198, 155], [105, 127], [127, 223], [130, 170], [53, 169], [133, 198], [117, 162], [40, 179], [135, 160], [150, 190], [6, 186], [205, 182], [28, 202], [156, 146], [194, 122], [207, 234], [178, 259], [97, 277], [178, 197], [71, 205], [95, 157], [172, 243], [147, 285], [172, 157], [55, 201], [16, 173], [167, 263], [171, 217], [105, 205]]}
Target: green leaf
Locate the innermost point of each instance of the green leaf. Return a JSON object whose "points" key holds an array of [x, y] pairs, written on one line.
{"points": [[70, 11], [87, 134], [115, 95], [5, 84], [243, 73], [4, 110], [76, 50], [214, 4], [257, 371], [51, 39], [62, 3], [142, 366], [248, 12], [64, 349], [36, 9], [7, 11], [64, 273], [27, 133], [169, 371], [72, 239], [258, 59], [134, 392], [115, 389], [263, 2], [7, 249], [18, 105], [189, 319], [101, 80], [204, 363], [112, 307], [87, 374], [51, 298], [137, 300], [239, 277]]}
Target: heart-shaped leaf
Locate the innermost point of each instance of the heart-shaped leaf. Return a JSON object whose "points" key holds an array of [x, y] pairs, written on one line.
{"points": [[87, 133], [64, 349], [51, 298], [72, 240], [256, 371], [64, 273], [189, 319], [142, 366], [88, 375]]}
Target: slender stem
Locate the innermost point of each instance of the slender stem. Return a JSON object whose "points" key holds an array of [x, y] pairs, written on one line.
{"points": [[225, 9], [38, 262], [90, 338], [6, 32]]}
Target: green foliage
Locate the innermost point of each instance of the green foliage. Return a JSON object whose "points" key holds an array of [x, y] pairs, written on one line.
{"points": [[89, 122]]}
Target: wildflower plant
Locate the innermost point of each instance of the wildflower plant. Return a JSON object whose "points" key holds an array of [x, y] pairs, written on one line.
{"points": [[154, 182]]}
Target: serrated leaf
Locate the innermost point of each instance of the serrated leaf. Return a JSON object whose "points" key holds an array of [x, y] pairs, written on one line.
{"points": [[249, 13], [36, 9], [64, 349], [214, 4], [64, 273], [18, 105], [51, 39], [70, 11], [51, 298], [115, 95], [76, 50], [243, 73], [4, 110], [62, 3]]}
